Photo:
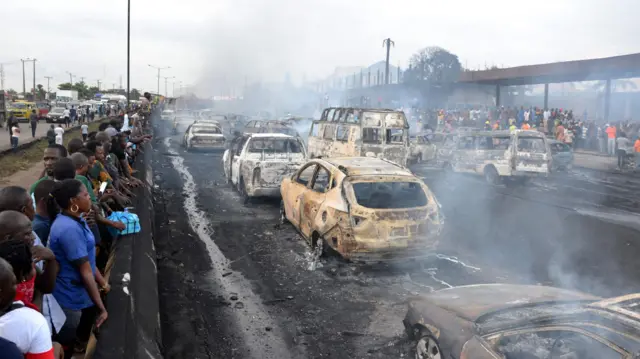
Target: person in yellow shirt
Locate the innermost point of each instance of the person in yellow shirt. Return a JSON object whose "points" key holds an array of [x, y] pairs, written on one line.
{"points": [[512, 127]]}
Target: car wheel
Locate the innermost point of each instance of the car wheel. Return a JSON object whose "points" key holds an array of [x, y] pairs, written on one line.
{"points": [[491, 175], [283, 213], [243, 191], [427, 348]]}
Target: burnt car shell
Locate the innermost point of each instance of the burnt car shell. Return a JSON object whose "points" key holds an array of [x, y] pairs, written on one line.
{"points": [[450, 315]]}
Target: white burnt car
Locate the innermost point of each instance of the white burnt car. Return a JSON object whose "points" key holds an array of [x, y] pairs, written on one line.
{"points": [[256, 163], [204, 135]]}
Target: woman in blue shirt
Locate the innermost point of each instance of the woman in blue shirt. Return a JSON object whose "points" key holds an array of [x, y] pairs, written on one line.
{"points": [[78, 281]]}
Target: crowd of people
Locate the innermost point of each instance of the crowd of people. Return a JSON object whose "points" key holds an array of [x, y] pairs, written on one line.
{"points": [[55, 238]]}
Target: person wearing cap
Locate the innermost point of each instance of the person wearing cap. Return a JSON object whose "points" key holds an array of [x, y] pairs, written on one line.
{"points": [[487, 125]]}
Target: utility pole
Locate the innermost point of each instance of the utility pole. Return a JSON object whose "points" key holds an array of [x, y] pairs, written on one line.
{"points": [[71, 76], [34, 79], [388, 43], [2, 77], [166, 93], [81, 79], [120, 82], [128, 48], [159, 69], [98, 81], [48, 87]]}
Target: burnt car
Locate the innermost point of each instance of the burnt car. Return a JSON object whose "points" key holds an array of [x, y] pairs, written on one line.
{"points": [[366, 209], [204, 135], [270, 127], [256, 163], [494, 321]]}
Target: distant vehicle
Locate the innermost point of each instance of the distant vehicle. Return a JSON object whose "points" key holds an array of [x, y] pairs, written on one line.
{"points": [[491, 321], [257, 163], [203, 136], [421, 149], [168, 115], [43, 109], [277, 127], [55, 115], [66, 95], [21, 110], [562, 156], [346, 131], [366, 209]]}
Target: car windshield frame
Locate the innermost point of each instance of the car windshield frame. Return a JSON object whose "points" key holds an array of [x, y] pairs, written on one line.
{"points": [[285, 149], [207, 130]]}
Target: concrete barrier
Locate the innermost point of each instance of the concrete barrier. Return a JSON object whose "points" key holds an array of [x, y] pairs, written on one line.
{"points": [[133, 328]]}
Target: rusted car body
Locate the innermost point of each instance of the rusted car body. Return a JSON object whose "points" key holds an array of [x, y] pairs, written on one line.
{"points": [[204, 135], [342, 131], [257, 163], [497, 154], [366, 209], [269, 127], [495, 321]]}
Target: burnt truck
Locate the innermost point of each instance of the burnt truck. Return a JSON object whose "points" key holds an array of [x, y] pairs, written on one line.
{"points": [[256, 163]]}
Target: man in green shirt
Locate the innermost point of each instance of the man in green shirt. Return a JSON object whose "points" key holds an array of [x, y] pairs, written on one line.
{"points": [[51, 156]]}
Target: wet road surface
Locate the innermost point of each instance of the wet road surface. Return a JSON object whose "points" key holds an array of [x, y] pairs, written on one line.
{"points": [[236, 284]]}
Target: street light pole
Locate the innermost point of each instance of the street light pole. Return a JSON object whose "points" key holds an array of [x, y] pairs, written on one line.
{"points": [[166, 92], [34, 79], [159, 69], [48, 87], [71, 76], [24, 80], [128, 49]]}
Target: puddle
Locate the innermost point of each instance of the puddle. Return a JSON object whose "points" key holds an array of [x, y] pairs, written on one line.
{"points": [[251, 316]]}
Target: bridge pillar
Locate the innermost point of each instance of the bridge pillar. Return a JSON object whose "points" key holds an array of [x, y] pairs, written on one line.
{"points": [[497, 95], [607, 100], [546, 96]]}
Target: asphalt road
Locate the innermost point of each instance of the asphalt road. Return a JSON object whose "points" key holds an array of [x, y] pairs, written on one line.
{"points": [[235, 284]]}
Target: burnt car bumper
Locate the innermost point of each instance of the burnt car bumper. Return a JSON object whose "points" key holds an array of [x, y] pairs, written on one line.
{"points": [[265, 192], [391, 254]]}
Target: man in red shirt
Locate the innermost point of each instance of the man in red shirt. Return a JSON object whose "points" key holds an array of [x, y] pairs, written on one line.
{"points": [[611, 140]]}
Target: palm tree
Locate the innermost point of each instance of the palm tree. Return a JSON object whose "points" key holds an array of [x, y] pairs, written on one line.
{"points": [[388, 43]]}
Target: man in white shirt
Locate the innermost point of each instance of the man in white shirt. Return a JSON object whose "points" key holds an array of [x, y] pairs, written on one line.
{"points": [[66, 116], [59, 134], [85, 131]]}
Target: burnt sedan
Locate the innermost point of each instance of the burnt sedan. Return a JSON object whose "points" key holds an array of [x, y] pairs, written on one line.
{"points": [[494, 321]]}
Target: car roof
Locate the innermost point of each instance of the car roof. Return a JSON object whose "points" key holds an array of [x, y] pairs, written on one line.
{"points": [[365, 166], [263, 135]]}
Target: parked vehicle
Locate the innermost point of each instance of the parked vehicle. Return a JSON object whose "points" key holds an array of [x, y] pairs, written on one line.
{"points": [[490, 321], [380, 133], [421, 149], [256, 163], [203, 136], [21, 110], [366, 209], [168, 115], [497, 155], [42, 109]]}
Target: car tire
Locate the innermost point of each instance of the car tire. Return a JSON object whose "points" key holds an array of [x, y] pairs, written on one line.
{"points": [[243, 191], [427, 347], [491, 175], [283, 213]]}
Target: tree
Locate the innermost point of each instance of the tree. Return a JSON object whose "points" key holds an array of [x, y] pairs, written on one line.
{"points": [[434, 65], [83, 90], [12, 92], [134, 94], [433, 71], [41, 92], [65, 86]]}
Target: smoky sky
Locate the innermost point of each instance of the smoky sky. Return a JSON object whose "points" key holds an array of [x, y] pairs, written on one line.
{"points": [[220, 43]]}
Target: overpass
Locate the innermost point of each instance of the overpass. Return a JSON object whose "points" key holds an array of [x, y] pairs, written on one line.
{"points": [[603, 69]]}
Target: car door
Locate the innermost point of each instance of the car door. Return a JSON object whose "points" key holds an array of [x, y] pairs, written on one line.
{"points": [[228, 156], [312, 200], [236, 159], [428, 149], [300, 183]]}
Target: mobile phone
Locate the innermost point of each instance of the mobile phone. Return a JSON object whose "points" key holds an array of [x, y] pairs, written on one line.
{"points": [[103, 186]]}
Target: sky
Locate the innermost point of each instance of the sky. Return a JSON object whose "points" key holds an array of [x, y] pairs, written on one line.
{"points": [[223, 43]]}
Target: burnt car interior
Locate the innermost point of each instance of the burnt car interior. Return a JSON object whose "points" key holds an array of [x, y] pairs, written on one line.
{"points": [[531, 144], [272, 145], [210, 130], [554, 344], [389, 195]]}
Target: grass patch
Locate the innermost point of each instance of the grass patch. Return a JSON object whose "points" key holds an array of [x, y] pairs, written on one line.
{"points": [[11, 163]]}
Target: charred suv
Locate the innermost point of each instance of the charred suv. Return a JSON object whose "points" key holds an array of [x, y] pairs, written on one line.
{"points": [[494, 321], [256, 163], [366, 209]]}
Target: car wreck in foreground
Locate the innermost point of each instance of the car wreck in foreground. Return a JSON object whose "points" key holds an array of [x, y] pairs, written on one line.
{"points": [[256, 163], [495, 321], [366, 209]]}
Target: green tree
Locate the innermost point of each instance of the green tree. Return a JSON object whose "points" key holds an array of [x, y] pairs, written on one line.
{"points": [[41, 92], [83, 90], [134, 94], [433, 71], [93, 90], [12, 92], [65, 86]]}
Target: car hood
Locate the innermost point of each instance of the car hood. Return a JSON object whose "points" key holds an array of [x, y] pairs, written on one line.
{"points": [[472, 301]]}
